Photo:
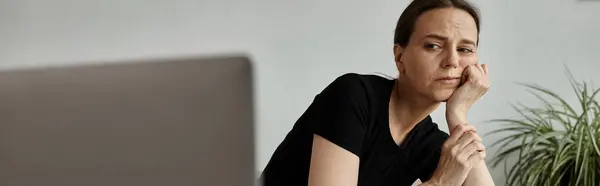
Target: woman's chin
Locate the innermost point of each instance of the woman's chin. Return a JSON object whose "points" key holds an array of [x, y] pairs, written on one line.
{"points": [[444, 100], [442, 96]]}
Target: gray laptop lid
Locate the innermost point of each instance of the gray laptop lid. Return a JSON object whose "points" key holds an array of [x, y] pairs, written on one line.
{"points": [[173, 122]]}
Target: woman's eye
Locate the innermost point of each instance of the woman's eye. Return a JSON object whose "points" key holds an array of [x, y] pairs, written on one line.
{"points": [[432, 46], [466, 50]]}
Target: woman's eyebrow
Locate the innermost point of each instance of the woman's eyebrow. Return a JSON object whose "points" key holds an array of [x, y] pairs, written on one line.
{"points": [[444, 38]]}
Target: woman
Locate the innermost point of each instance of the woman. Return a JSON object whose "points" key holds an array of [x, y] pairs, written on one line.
{"points": [[368, 130]]}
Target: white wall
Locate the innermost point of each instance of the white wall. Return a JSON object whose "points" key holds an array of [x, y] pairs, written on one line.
{"points": [[300, 46]]}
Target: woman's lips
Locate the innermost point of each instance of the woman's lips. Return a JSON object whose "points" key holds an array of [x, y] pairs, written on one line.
{"points": [[448, 80]]}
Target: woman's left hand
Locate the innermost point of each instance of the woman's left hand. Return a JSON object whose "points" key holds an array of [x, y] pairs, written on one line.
{"points": [[474, 84]]}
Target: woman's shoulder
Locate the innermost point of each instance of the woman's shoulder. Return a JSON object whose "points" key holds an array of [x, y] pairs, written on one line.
{"points": [[362, 84], [364, 78]]}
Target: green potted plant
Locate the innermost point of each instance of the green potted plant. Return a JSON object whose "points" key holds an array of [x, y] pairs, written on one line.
{"points": [[557, 143]]}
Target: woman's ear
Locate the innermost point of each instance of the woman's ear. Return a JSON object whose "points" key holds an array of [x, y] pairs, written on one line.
{"points": [[398, 50]]}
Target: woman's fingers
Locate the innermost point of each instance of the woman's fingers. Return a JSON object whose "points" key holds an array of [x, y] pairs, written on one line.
{"points": [[465, 75], [472, 154], [475, 146], [458, 131], [467, 138], [469, 149], [485, 70], [480, 68], [474, 73], [476, 157]]}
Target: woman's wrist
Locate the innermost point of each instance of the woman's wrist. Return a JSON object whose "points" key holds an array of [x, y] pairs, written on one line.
{"points": [[455, 117], [434, 180]]}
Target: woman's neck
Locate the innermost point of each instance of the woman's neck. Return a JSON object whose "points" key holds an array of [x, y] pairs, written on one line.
{"points": [[408, 107]]}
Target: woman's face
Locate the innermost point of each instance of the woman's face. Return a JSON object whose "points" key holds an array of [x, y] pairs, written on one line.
{"points": [[443, 43]]}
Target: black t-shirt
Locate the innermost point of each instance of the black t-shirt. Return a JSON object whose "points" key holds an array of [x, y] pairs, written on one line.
{"points": [[352, 112]]}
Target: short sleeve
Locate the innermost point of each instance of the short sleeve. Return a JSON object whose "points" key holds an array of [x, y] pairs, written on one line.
{"points": [[433, 151], [339, 113]]}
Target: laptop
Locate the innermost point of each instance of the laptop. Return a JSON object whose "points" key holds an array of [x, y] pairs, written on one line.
{"points": [[176, 122]]}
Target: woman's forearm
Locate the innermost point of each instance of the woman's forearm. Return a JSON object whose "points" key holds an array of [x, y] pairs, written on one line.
{"points": [[479, 176], [430, 183]]}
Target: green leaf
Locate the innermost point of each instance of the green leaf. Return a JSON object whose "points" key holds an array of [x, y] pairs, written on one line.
{"points": [[556, 115], [518, 129], [582, 167], [552, 94], [506, 141], [546, 136], [504, 155], [553, 144]]}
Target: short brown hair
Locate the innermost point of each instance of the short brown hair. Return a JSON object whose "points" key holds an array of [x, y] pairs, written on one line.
{"points": [[407, 20]]}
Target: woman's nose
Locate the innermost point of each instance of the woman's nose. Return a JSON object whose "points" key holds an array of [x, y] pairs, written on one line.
{"points": [[451, 59]]}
